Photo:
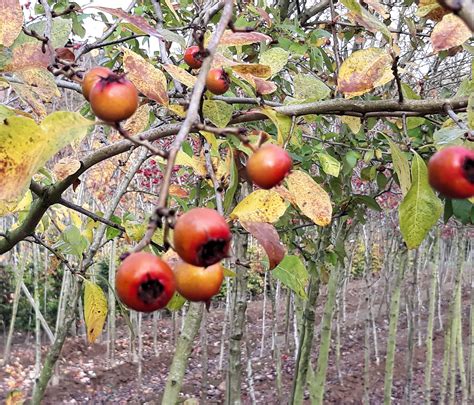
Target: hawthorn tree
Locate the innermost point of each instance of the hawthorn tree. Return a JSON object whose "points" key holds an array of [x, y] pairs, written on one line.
{"points": [[360, 94]]}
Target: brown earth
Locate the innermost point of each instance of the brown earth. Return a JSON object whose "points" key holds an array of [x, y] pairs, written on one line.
{"points": [[85, 376]]}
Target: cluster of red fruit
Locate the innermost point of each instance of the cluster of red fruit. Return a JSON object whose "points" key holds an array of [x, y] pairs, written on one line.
{"points": [[217, 81], [113, 97], [145, 282], [451, 172]]}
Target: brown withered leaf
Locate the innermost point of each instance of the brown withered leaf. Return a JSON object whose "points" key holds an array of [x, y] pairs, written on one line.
{"points": [[136, 20], [28, 56], [265, 16], [65, 54], [220, 60], [65, 167], [148, 80], [268, 237], [11, 21], [264, 86], [42, 81], [450, 32]]}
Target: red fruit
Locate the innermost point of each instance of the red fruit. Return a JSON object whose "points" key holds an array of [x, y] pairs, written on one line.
{"points": [[269, 165], [92, 77], [144, 282], [193, 57], [198, 283], [217, 81], [113, 98], [451, 172], [202, 237]]}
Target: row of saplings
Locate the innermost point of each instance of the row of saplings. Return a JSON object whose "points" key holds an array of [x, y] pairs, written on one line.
{"points": [[145, 282]]}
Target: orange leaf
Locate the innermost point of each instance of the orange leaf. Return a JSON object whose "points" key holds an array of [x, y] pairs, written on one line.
{"points": [[11, 20], [242, 38], [29, 55], [148, 80], [264, 86], [254, 69], [180, 75]]}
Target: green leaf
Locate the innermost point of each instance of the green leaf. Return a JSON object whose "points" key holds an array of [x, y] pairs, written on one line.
{"points": [[330, 165], [218, 112], [450, 135], [60, 32], [74, 242], [462, 210], [310, 88], [233, 183], [402, 168], [293, 274], [176, 302], [421, 208], [368, 201], [276, 58]]}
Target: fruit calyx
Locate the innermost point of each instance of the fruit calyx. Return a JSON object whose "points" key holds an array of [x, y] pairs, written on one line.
{"points": [[150, 290], [468, 168], [211, 252]]}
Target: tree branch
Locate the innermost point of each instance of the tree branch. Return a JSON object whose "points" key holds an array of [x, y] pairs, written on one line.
{"points": [[363, 108]]}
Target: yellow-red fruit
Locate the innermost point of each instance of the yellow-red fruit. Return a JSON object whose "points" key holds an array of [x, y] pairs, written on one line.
{"points": [[198, 283], [144, 282], [268, 166], [114, 98], [217, 81], [92, 77], [192, 57], [201, 237], [451, 172]]}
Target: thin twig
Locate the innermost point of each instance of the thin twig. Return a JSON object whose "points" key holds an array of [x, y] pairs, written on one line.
{"points": [[396, 74], [459, 122], [210, 170], [139, 142], [55, 252], [191, 118], [90, 214]]}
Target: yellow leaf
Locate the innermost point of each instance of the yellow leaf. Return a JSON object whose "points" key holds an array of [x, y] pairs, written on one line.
{"points": [[95, 310], [179, 110], [30, 97], [42, 81], [183, 159], [353, 123], [364, 70], [181, 75], [75, 219], [65, 167], [24, 204], [450, 32], [26, 146], [260, 206], [242, 38], [254, 69], [310, 197], [149, 80], [15, 397], [282, 123], [138, 121]]}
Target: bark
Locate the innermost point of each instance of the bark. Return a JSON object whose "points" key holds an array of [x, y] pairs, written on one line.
{"points": [[183, 351]]}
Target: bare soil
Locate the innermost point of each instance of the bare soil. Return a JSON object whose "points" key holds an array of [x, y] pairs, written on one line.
{"points": [[85, 377]]}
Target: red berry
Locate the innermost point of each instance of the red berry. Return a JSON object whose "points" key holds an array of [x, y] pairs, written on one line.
{"points": [[113, 98], [269, 165], [198, 283], [193, 57], [217, 81], [92, 77], [144, 282], [202, 237], [451, 172]]}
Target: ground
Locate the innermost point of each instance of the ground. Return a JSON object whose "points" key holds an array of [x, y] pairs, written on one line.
{"points": [[85, 376]]}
